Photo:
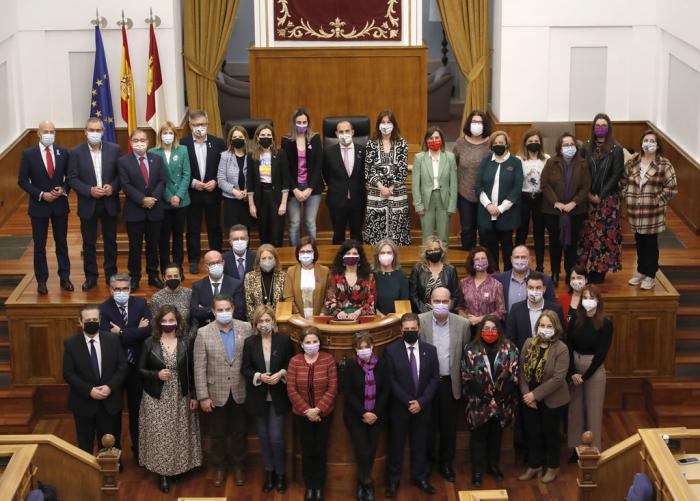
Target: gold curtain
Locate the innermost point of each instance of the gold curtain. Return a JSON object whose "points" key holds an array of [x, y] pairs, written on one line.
{"points": [[466, 24], [208, 25]]}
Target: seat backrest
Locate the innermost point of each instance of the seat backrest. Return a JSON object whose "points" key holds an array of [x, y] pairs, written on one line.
{"points": [[249, 124], [641, 489], [360, 123], [551, 132]]}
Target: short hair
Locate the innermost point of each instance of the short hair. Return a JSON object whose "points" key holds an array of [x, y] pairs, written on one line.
{"points": [[554, 318], [343, 122], [410, 317], [256, 149], [534, 275], [239, 227], [523, 146], [659, 147], [229, 137], [429, 133], [395, 133], [88, 307], [310, 330], [267, 248], [494, 135], [94, 120], [362, 337], [222, 297], [195, 114], [173, 265], [377, 249], [138, 131], [119, 277], [157, 331], [263, 309], [306, 240], [558, 147], [579, 270], [471, 270], [486, 121], [165, 126]]}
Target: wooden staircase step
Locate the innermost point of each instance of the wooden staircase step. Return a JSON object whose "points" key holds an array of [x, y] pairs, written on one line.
{"points": [[687, 311], [687, 288], [15, 423], [676, 415], [672, 391], [687, 359], [687, 334], [5, 367]]}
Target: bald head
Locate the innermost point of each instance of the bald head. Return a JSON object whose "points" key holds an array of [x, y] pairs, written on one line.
{"points": [[212, 257], [215, 264], [440, 294], [520, 251], [45, 127]]}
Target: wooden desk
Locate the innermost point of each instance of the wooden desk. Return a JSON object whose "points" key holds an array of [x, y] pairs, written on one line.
{"points": [[691, 472]]}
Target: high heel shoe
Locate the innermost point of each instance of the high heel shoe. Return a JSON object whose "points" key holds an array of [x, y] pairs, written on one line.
{"points": [[281, 483], [163, 484]]}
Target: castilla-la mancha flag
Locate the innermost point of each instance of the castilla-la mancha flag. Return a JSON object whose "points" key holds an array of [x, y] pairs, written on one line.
{"points": [[155, 102], [127, 88]]}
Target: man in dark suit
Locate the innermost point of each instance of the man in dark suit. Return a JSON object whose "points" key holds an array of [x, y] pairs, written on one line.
{"points": [[42, 174], [142, 178], [513, 280], [216, 282], [344, 173], [520, 324], [204, 151], [240, 259], [94, 366], [92, 173], [128, 318], [415, 377]]}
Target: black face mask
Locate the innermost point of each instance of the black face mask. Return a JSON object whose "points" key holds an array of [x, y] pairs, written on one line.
{"points": [[434, 256], [91, 328], [410, 336], [265, 142], [173, 283], [499, 149], [238, 143], [533, 147]]}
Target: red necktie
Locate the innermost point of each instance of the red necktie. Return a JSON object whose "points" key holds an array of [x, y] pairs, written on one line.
{"points": [[49, 162], [144, 170]]}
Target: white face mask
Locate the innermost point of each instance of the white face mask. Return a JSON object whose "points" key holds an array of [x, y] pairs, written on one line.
{"points": [[476, 128], [545, 332], [345, 139], [386, 128], [649, 146], [535, 296], [200, 130], [577, 285], [167, 138], [589, 304]]}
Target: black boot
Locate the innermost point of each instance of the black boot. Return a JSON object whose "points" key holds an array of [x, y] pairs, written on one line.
{"points": [[281, 483], [268, 483], [369, 491], [309, 494], [360, 491], [476, 478], [163, 485]]}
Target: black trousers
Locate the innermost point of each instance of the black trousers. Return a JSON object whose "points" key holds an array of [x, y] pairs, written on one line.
{"points": [[647, 254], [365, 439], [444, 424], [402, 424], [270, 223], [88, 230], [314, 442], [91, 428], [228, 434], [344, 216], [485, 445], [236, 212], [173, 228], [542, 429], [133, 387], [212, 215], [138, 231], [551, 222], [532, 206], [467, 219], [492, 238], [40, 231]]}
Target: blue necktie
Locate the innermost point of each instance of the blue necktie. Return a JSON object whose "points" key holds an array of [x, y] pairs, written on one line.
{"points": [[414, 369], [93, 359]]}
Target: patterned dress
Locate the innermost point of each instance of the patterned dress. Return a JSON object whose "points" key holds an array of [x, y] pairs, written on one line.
{"points": [[340, 296], [387, 218], [180, 299], [169, 442]]}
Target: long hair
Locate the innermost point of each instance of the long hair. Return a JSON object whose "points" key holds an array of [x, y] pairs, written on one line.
{"points": [[582, 315], [257, 315], [609, 139], [485, 120], [425, 264], [560, 140], [395, 134], [301, 112], [477, 342], [156, 330], [524, 153], [556, 323], [229, 138], [256, 149], [271, 249], [167, 126], [470, 260], [338, 267], [376, 266], [659, 147]]}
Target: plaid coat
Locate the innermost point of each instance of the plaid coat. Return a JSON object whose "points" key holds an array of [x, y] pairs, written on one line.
{"points": [[647, 200], [214, 376]]}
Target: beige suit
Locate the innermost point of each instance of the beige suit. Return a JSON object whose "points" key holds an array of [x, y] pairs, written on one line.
{"points": [[292, 288], [216, 377]]}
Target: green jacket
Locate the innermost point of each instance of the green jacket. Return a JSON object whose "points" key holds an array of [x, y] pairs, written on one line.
{"points": [[510, 186], [422, 180], [177, 174]]}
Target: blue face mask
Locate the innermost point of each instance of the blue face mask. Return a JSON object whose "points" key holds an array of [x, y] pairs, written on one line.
{"points": [[121, 297], [94, 137], [216, 270], [47, 139], [568, 151], [224, 317], [167, 138], [306, 258], [239, 246]]}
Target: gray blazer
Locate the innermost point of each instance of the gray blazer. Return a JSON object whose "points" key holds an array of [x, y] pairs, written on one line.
{"points": [[214, 376], [459, 337], [227, 174], [553, 389]]}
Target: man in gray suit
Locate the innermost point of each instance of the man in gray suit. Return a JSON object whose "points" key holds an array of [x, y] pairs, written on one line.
{"points": [[218, 352], [448, 333]]}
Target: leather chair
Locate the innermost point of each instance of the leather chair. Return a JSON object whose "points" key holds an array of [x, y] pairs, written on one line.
{"points": [[360, 124], [234, 98], [439, 93], [550, 134], [249, 124]]}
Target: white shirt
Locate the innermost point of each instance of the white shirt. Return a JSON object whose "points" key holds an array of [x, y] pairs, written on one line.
{"points": [[212, 282], [436, 170], [43, 149], [97, 348], [441, 341], [416, 355], [534, 315], [532, 173], [350, 153], [200, 151], [96, 155], [485, 200], [308, 279], [145, 161], [237, 258], [167, 154]]}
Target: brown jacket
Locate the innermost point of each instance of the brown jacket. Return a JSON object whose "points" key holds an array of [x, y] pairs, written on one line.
{"points": [[552, 182], [292, 288], [554, 389]]}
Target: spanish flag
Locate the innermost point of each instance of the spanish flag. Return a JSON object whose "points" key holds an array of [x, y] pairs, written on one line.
{"points": [[127, 88], [155, 102]]}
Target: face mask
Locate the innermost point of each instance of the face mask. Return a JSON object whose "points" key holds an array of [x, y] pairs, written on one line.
{"points": [[545, 332], [311, 349], [167, 138], [441, 310], [239, 246], [47, 139], [568, 151], [519, 264], [265, 142], [172, 283], [306, 257], [533, 147], [351, 260], [266, 327], [267, 265], [91, 328], [168, 328], [224, 317], [386, 259], [121, 297], [410, 336], [216, 270], [499, 149], [434, 256], [489, 336], [301, 129], [200, 130], [139, 147], [386, 129], [238, 143], [534, 296], [649, 147], [345, 139], [476, 128], [94, 137], [600, 131], [577, 285], [481, 264], [434, 144], [364, 353], [589, 304]]}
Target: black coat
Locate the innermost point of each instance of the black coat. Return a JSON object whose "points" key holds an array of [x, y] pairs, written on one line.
{"points": [[231, 266], [606, 172], [518, 321], [204, 296], [400, 375], [280, 178], [314, 163], [134, 186], [152, 361], [215, 145], [338, 181], [34, 178], [353, 381], [132, 336], [81, 177], [254, 362]]}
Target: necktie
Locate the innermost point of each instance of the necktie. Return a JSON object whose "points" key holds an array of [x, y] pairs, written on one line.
{"points": [[93, 359], [125, 317], [414, 368], [144, 170], [346, 161], [241, 268], [216, 288], [49, 162]]}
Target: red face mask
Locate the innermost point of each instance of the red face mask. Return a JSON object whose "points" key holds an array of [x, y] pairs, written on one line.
{"points": [[434, 144], [489, 335]]}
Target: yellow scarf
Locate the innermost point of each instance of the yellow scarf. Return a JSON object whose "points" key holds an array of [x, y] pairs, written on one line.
{"points": [[534, 363]]}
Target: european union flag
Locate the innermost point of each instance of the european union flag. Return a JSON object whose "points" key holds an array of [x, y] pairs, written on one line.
{"points": [[101, 98]]}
